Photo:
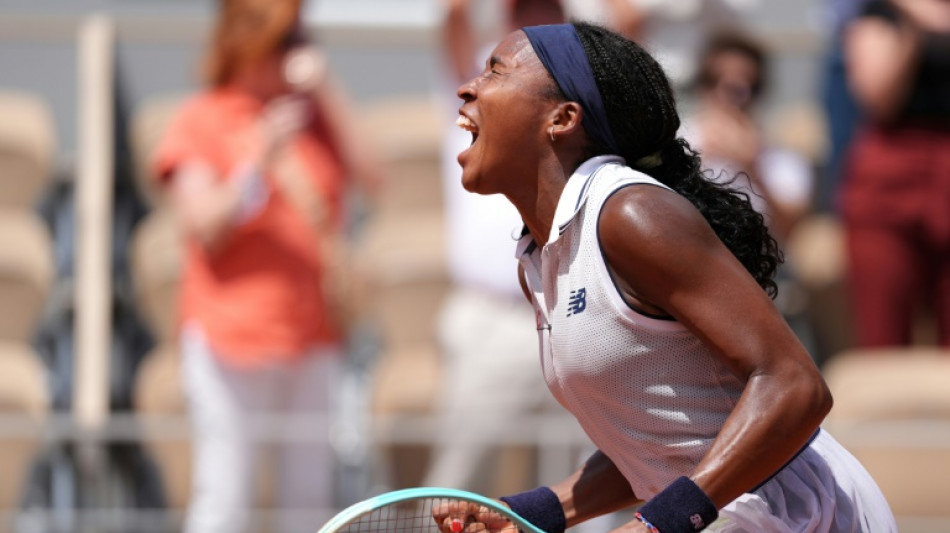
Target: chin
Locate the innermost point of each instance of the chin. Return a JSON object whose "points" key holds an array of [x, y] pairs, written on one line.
{"points": [[469, 182]]}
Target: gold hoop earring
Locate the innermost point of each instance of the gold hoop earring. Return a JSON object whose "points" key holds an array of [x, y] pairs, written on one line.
{"points": [[551, 133]]}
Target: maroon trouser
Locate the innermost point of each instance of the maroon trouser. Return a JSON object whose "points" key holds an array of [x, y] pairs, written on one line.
{"points": [[896, 210]]}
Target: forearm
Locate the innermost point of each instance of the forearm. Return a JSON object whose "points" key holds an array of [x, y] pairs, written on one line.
{"points": [[627, 18], [207, 217], [773, 420], [458, 39], [882, 59], [595, 489], [209, 209]]}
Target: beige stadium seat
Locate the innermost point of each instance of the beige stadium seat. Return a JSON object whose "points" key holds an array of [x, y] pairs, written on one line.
{"points": [[892, 410], [158, 394], [27, 146], [24, 397], [148, 125], [26, 272], [156, 262], [817, 254]]}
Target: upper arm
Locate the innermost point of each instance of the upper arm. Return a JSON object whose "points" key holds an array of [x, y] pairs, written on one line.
{"points": [[459, 40], [668, 254], [183, 140], [880, 58]]}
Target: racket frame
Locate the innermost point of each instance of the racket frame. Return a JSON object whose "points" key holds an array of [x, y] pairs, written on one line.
{"points": [[368, 505]]}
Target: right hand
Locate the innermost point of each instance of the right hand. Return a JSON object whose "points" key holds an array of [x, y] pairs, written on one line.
{"points": [[474, 518], [281, 120]]}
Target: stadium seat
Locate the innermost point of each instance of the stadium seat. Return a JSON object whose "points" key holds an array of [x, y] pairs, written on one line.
{"points": [[27, 144], [892, 410], [158, 394], [27, 272], [816, 253], [155, 261], [24, 395]]}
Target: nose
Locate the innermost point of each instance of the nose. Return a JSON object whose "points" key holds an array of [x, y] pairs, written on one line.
{"points": [[467, 90]]}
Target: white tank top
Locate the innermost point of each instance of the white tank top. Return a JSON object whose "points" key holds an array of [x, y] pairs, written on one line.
{"points": [[648, 393]]}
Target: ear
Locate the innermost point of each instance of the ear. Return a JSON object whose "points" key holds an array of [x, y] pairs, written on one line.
{"points": [[565, 119]]}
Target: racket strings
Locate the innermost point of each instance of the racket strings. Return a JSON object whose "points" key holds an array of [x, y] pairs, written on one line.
{"points": [[406, 517]]}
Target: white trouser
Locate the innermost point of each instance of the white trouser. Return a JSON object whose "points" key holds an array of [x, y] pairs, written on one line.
{"points": [[235, 413], [492, 380]]}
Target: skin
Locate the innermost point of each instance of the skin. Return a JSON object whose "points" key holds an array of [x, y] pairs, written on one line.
{"points": [[461, 42], [668, 261], [882, 57]]}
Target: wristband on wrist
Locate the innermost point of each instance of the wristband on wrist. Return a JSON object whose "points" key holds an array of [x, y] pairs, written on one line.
{"points": [[682, 507], [539, 506]]}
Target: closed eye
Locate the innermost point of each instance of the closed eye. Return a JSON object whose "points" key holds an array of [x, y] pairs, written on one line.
{"points": [[493, 65]]}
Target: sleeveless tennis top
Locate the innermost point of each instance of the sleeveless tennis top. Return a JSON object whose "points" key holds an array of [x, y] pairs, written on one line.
{"points": [[647, 392]]}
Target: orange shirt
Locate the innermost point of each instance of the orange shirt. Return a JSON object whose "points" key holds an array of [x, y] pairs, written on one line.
{"points": [[260, 295]]}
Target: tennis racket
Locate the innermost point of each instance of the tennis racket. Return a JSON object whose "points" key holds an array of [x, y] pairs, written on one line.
{"points": [[428, 510]]}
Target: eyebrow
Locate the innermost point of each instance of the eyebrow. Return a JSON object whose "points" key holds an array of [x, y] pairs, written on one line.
{"points": [[495, 60]]}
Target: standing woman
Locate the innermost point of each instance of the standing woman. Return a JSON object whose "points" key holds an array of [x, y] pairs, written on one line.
{"points": [[651, 288], [896, 192], [255, 166]]}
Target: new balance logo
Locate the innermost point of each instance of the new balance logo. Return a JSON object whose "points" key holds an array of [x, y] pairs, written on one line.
{"points": [[577, 302], [697, 522]]}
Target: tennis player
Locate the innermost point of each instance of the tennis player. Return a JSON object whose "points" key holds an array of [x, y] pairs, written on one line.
{"points": [[651, 286]]}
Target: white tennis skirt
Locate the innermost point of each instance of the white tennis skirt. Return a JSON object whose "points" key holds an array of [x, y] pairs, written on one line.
{"points": [[823, 490]]}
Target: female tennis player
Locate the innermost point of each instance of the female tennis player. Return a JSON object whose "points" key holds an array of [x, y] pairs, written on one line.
{"points": [[652, 286]]}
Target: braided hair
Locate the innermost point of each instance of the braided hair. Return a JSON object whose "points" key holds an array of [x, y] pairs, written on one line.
{"points": [[641, 107]]}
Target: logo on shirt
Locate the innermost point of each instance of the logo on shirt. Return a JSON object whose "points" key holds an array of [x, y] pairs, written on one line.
{"points": [[577, 302]]}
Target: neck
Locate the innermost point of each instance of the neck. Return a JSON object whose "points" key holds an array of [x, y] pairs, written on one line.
{"points": [[255, 82], [537, 206]]}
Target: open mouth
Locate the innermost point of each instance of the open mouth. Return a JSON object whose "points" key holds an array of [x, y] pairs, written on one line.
{"points": [[468, 125]]}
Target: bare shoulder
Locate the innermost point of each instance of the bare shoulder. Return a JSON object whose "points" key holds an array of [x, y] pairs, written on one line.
{"points": [[648, 218]]}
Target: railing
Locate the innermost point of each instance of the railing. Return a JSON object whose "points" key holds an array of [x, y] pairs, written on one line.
{"points": [[84, 483]]}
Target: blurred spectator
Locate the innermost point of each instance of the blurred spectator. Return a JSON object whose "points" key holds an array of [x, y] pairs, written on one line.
{"points": [[256, 167], [486, 327], [731, 82], [897, 191]]}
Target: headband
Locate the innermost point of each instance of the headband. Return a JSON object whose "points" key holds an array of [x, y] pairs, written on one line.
{"points": [[560, 50]]}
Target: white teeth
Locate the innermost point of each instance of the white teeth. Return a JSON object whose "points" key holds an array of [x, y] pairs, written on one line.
{"points": [[466, 123]]}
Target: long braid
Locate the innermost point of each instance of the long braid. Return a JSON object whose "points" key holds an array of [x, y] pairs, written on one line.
{"points": [[643, 119]]}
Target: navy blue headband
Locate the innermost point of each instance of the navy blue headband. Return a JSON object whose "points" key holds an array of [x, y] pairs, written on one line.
{"points": [[560, 50]]}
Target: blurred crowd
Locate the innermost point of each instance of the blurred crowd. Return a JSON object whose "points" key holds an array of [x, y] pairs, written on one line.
{"points": [[294, 266]]}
